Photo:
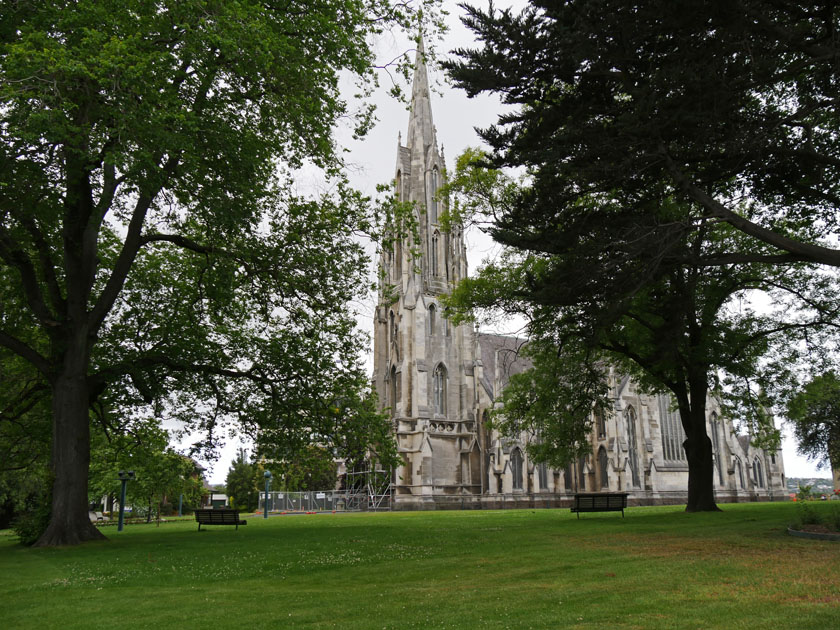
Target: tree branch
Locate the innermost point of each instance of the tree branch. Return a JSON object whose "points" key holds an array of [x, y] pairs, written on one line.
{"points": [[26, 352], [18, 259], [807, 251]]}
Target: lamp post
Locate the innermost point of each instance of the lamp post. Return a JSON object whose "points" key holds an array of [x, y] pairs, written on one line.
{"points": [[267, 476], [124, 476]]}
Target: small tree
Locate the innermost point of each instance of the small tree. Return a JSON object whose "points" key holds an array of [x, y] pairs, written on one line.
{"points": [[241, 483], [162, 473], [313, 469], [815, 413]]}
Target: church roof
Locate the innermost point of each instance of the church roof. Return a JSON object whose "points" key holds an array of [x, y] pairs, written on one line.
{"points": [[501, 357]]}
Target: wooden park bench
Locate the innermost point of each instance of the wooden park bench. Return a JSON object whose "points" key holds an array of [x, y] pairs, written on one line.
{"points": [[218, 517], [600, 502]]}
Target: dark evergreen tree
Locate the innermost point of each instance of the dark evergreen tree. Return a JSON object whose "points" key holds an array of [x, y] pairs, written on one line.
{"points": [[728, 107], [602, 286]]}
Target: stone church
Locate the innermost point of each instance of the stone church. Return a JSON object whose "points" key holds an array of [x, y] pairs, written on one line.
{"points": [[438, 381]]}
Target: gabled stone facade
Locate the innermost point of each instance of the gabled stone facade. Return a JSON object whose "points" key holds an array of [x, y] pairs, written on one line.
{"points": [[439, 382]]}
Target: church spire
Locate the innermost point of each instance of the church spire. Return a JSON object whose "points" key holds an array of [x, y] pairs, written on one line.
{"points": [[421, 129]]}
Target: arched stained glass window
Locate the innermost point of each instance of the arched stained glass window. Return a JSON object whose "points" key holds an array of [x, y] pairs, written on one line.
{"points": [[632, 445], [582, 473], [600, 423], [433, 215], [439, 390], [671, 429], [516, 468], [394, 391], [714, 426], [542, 473], [603, 467]]}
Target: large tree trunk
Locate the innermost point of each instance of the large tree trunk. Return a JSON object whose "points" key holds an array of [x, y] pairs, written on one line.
{"points": [[698, 446], [69, 521], [701, 494]]}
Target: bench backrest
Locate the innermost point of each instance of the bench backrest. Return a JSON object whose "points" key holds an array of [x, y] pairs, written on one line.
{"points": [[615, 501], [210, 517]]}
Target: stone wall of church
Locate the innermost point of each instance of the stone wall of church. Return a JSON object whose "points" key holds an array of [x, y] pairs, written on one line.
{"points": [[637, 448]]}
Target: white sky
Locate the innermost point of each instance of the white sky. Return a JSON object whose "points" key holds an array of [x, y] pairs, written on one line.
{"points": [[455, 116]]}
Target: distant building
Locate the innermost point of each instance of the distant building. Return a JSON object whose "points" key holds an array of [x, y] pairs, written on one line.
{"points": [[440, 381]]}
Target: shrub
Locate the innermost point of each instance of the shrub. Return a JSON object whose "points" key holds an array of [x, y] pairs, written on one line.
{"points": [[31, 523], [833, 520], [817, 514]]}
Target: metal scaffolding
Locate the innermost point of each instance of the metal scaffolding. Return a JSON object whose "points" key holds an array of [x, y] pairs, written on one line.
{"points": [[366, 489], [369, 489]]}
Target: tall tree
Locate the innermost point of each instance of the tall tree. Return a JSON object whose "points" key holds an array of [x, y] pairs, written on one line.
{"points": [[599, 291], [152, 251], [729, 107]]}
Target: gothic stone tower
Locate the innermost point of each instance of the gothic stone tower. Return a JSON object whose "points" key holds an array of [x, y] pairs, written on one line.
{"points": [[423, 366]]}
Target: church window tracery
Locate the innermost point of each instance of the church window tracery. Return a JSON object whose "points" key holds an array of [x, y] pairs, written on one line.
{"points": [[672, 431], [758, 475]]}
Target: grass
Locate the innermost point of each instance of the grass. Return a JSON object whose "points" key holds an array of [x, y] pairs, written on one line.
{"points": [[657, 568]]}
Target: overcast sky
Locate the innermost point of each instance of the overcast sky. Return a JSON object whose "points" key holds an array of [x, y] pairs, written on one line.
{"points": [[373, 162]]}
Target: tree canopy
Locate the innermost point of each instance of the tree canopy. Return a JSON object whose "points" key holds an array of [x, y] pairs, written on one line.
{"points": [[815, 413], [153, 253], [728, 107]]}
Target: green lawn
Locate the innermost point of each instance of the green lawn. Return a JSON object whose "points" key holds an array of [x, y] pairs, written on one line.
{"points": [[656, 568]]}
